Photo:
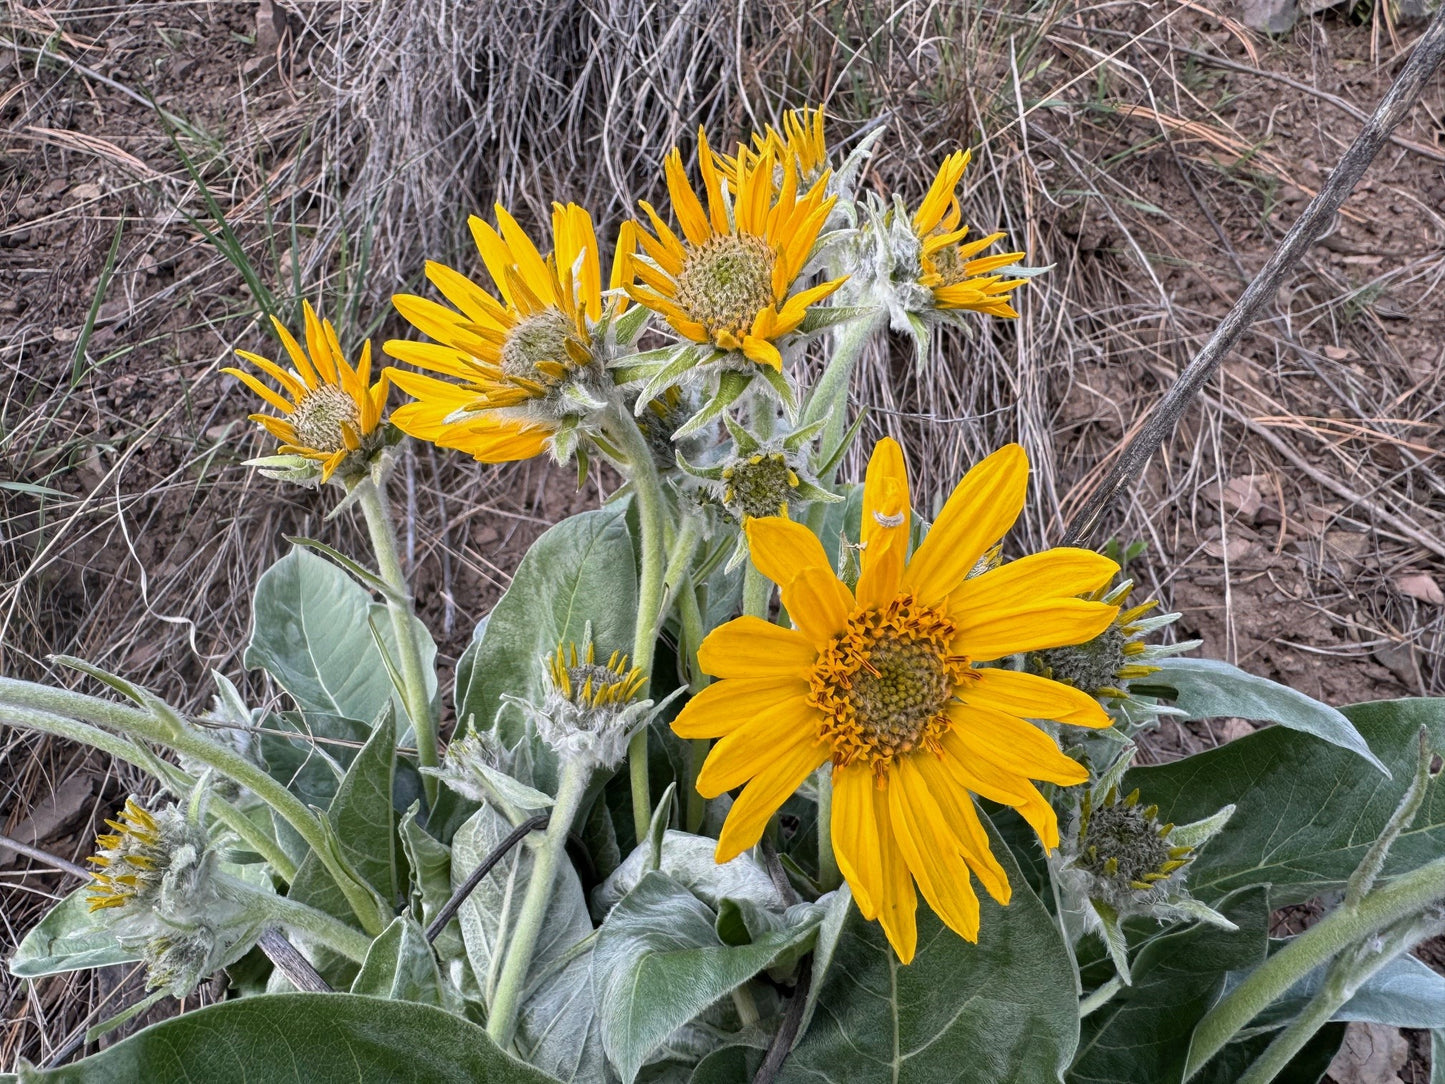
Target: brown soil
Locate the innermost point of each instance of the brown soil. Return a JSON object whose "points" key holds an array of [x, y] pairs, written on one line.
{"points": [[143, 559]]}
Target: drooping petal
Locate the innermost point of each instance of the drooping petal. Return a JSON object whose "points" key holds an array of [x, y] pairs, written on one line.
{"points": [[960, 821], [1011, 744], [931, 850], [855, 835], [981, 509], [818, 604], [749, 647], [897, 903], [723, 706]]}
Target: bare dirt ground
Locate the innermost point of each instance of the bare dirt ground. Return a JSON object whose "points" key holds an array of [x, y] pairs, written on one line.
{"points": [[1153, 153]]}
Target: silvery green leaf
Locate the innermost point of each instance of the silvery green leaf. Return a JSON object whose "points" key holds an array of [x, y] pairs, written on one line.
{"points": [[400, 966], [1210, 689], [1001, 1010], [556, 1028], [689, 860], [362, 824], [429, 864], [302, 1039], [312, 631], [69, 938], [582, 570], [1306, 811], [1143, 1032], [311, 765], [659, 962]]}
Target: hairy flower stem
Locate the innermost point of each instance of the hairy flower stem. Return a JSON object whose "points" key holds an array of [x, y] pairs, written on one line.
{"points": [[293, 915], [757, 592], [621, 430], [1350, 925], [502, 1018], [375, 508], [173, 734], [174, 779], [830, 395]]}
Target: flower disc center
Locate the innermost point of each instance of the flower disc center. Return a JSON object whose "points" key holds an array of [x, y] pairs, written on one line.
{"points": [[539, 339], [321, 416], [726, 281], [884, 684]]}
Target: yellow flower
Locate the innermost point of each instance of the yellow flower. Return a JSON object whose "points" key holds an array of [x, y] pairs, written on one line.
{"points": [[882, 681], [514, 363], [801, 141], [956, 275], [727, 280], [332, 412]]}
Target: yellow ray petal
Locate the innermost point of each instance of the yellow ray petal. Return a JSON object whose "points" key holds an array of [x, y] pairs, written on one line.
{"points": [[527, 260], [791, 725], [1013, 745], [762, 797], [960, 820], [1028, 624], [294, 388], [685, 204], [818, 604], [930, 849], [749, 647], [762, 352], [885, 525], [781, 549], [897, 902], [1062, 572], [1031, 697], [988, 780], [723, 706], [981, 509], [855, 835], [317, 344], [261, 389], [297, 355]]}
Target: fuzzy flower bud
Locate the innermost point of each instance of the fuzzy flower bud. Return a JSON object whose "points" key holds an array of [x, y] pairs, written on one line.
{"points": [[1118, 861]]}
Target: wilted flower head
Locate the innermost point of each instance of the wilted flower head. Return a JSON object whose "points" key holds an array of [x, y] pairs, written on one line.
{"points": [[332, 419], [1118, 861], [526, 370], [147, 855], [157, 872], [920, 269]]}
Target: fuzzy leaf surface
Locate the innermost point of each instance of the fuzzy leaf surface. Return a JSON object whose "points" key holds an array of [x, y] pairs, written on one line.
{"points": [[68, 938], [302, 1039], [1306, 812], [1002, 1010], [581, 570], [556, 1027], [313, 632], [660, 961], [1210, 689]]}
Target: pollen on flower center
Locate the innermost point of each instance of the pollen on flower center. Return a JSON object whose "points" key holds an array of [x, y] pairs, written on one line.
{"points": [[726, 281], [321, 418], [883, 684], [537, 343]]}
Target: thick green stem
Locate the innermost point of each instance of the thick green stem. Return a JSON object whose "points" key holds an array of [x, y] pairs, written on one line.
{"points": [[188, 742], [757, 592], [829, 876], [652, 516], [830, 395], [375, 508], [502, 1017], [174, 779], [293, 915], [1400, 898], [1289, 1042]]}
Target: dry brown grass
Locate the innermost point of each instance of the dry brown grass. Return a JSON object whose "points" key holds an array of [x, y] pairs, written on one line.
{"points": [[1129, 145]]}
